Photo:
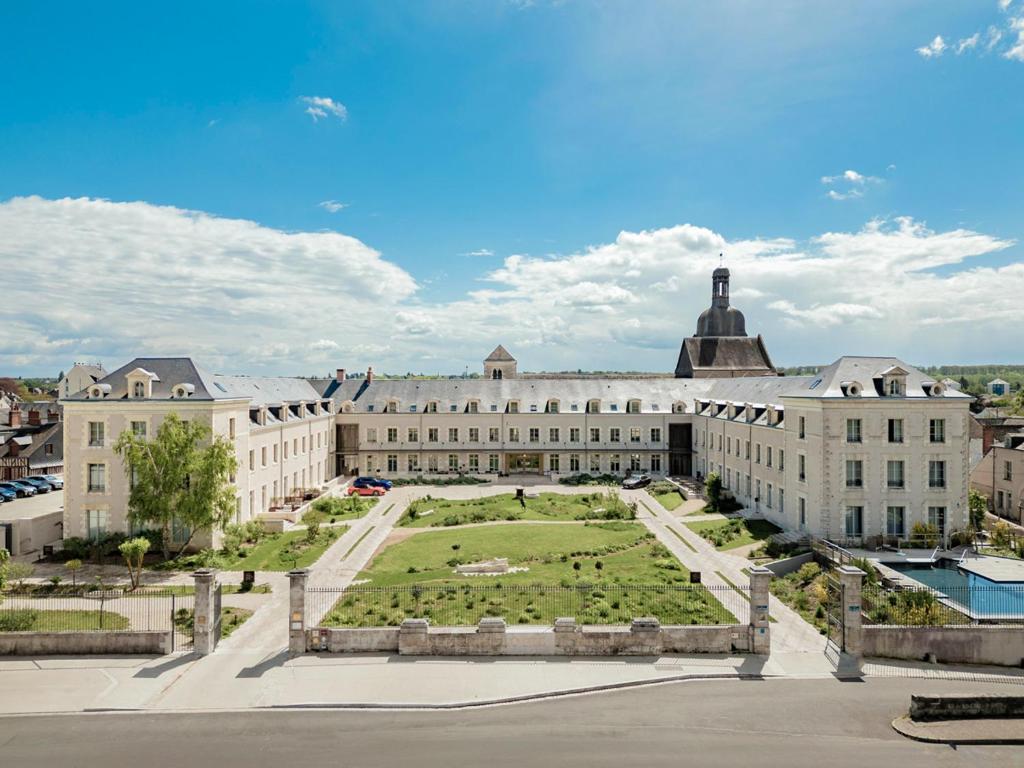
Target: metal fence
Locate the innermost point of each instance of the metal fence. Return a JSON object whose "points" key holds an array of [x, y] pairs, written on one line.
{"points": [[99, 610], [952, 605], [465, 605]]}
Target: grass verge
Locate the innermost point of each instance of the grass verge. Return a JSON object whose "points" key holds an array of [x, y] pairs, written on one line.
{"points": [[733, 533]]}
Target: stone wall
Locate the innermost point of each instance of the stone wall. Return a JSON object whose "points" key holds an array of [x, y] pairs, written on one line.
{"points": [[790, 564], [965, 706], [492, 638], [83, 643], [998, 645], [29, 534]]}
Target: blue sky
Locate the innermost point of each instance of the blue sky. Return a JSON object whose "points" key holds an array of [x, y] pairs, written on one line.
{"points": [[806, 140]]}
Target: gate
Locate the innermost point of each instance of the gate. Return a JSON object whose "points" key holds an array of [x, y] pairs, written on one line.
{"points": [[182, 617], [836, 634]]}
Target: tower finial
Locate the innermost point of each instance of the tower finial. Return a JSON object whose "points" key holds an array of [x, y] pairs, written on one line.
{"points": [[720, 259]]}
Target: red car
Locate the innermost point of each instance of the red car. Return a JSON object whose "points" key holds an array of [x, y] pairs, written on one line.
{"points": [[354, 490]]}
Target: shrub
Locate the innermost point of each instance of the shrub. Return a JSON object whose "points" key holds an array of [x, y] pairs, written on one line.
{"points": [[74, 566], [1001, 535], [870, 573], [713, 491], [926, 534], [19, 572], [77, 548], [808, 572], [21, 620], [133, 551]]}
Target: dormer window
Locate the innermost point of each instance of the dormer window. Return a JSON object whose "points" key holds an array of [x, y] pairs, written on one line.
{"points": [[391, 407], [894, 381], [473, 406], [513, 406], [678, 407], [533, 408], [432, 406], [895, 387], [183, 391], [346, 407], [633, 406], [593, 406], [552, 406], [138, 389]]}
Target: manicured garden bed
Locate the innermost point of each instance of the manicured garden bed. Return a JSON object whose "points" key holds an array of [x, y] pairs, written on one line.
{"points": [[33, 620], [273, 552], [435, 513], [733, 533]]}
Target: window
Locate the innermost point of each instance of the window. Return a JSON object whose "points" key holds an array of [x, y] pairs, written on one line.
{"points": [[552, 406], [431, 463], [757, 453], [894, 521], [768, 457], [413, 435], [634, 434], [854, 473], [854, 522], [728, 478], [895, 430], [96, 434], [304, 444], [757, 490], [453, 407], [614, 435], [275, 446], [655, 434], [936, 474], [614, 465], [139, 389], [895, 387], [97, 478], [553, 462], [96, 523], [392, 462], [728, 444], [613, 407], [937, 430], [782, 502], [139, 429], [746, 450], [263, 456], [595, 434], [231, 429], [48, 449], [371, 434], [453, 462], [494, 434], [513, 434], [133, 477], [553, 435], [453, 434], [593, 406], [894, 473], [533, 408], [432, 435], [392, 434], [574, 434], [492, 462], [633, 406], [513, 406], [937, 518], [413, 463], [769, 503], [634, 462], [853, 431], [432, 406], [391, 407], [656, 462], [595, 463], [286, 449], [574, 462], [472, 407], [803, 427], [801, 463], [474, 462], [1007, 470], [782, 459], [534, 434], [474, 434]]}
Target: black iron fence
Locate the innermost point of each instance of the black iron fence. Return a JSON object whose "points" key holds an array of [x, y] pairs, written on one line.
{"points": [[466, 604], [951, 605], [99, 610]]}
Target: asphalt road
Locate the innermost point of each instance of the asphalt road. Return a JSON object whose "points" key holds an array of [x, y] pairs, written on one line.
{"points": [[785, 722]]}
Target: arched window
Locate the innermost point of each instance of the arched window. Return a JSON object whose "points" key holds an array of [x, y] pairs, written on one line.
{"points": [[593, 406], [496, 373], [633, 406], [139, 389], [552, 406]]}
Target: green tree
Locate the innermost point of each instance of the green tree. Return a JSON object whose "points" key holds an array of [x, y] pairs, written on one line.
{"points": [[74, 566], [713, 489], [134, 551], [977, 506], [1018, 402], [181, 477], [19, 572], [5, 558]]}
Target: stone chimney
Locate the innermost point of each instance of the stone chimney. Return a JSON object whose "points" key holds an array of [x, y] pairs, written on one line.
{"points": [[369, 373], [14, 417], [53, 416], [33, 417], [339, 376]]}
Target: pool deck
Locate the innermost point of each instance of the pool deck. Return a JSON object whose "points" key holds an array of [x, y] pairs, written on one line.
{"points": [[1000, 569]]}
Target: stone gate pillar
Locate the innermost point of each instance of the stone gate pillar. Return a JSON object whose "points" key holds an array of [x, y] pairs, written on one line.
{"points": [[297, 610], [852, 581], [760, 629], [203, 619]]}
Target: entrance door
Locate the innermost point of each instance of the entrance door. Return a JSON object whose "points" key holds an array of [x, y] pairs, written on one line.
{"points": [[680, 464], [523, 463]]}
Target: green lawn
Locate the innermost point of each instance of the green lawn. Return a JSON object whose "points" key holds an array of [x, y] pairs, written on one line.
{"points": [[231, 619], [428, 512], [335, 508], [600, 572], [670, 500], [283, 551], [733, 533], [33, 620]]}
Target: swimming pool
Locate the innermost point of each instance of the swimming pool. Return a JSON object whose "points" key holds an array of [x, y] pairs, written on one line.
{"points": [[981, 598]]}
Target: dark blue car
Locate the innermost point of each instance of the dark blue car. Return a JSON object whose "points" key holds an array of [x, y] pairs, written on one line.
{"points": [[20, 489], [6, 494], [41, 486], [372, 482]]}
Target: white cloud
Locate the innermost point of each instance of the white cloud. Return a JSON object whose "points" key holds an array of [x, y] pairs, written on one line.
{"points": [[141, 279], [480, 252], [1016, 51], [332, 206], [849, 195], [319, 107], [934, 49], [967, 43], [992, 39], [851, 184], [1004, 4]]}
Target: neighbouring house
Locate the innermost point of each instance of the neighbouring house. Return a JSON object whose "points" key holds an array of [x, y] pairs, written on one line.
{"points": [[998, 388], [1000, 477], [31, 440], [79, 377]]}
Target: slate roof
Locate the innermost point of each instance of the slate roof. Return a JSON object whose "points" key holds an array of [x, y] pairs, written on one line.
{"points": [[867, 372], [709, 354], [500, 355], [171, 371]]}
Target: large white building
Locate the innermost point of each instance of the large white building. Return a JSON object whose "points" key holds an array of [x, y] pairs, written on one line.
{"points": [[867, 447]]}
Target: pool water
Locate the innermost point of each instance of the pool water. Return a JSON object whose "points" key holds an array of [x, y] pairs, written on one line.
{"points": [[981, 597]]}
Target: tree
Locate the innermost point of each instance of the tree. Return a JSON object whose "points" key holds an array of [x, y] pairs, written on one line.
{"points": [[133, 551], [19, 572], [180, 477], [74, 566], [5, 558], [977, 506], [1018, 402], [713, 489]]}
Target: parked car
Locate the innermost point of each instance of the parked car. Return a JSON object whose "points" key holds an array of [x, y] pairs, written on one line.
{"points": [[6, 494], [19, 488], [637, 481], [372, 482], [365, 490], [40, 485], [55, 480]]}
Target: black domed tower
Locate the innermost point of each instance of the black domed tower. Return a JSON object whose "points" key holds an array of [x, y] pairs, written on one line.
{"points": [[721, 348]]}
